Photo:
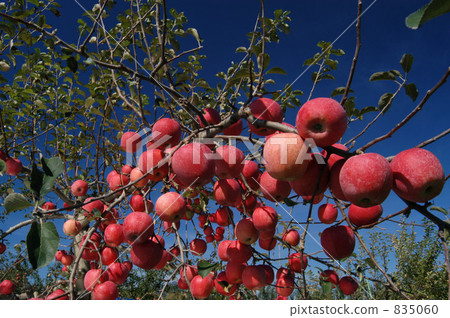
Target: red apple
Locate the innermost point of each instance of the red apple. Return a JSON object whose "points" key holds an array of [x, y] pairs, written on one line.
{"points": [[118, 273], [170, 207], [238, 252], [48, 206], [334, 184], [222, 285], [94, 277], [285, 285], [269, 273], [228, 192], [193, 165], [246, 232], [201, 287], [150, 161], [211, 115], [56, 295], [198, 246], [79, 188], [338, 242], [265, 218], [334, 157], [130, 141], [418, 175], [2, 248], [268, 243], [327, 213], [364, 216], [138, 227], [105, 291], [285, 156], [59, 254], [139, 204], [254, 277], [348, 285], [230, 162], [234, 272], [298, 262], [224, 216], [109, 255], [322, 119], [366, 179], [308, 183], [291, 237], [6, 287], [146, 255], [114, 235], [126, 169], [137, 174], [251, 174], [278, 131], [13, 166], [235, 129], [67, 260], [329, 275], [222, 250], [273, 189], [166, 132], [265, 109]]}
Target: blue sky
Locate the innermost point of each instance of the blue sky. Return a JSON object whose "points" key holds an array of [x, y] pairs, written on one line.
{"points": [[223, 26]]}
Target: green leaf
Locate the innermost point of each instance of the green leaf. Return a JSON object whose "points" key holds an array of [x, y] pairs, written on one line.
{"points": [[241, 49], [339, 91], [204, 268], [16, 201], [289, 202], [406, 62], [385, 102], [42, 244], [382, 76], [439, 209], [429, 11], [369, 262], [53, 166], [36, 180], [326, 287], [72, 64], [276, 70], [194, 33], [412, 91]]}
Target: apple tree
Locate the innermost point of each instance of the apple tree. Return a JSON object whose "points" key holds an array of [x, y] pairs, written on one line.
{"points": [[127, 174]]}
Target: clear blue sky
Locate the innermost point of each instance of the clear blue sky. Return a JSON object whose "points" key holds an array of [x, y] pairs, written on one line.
{"points": [[223, 26]]}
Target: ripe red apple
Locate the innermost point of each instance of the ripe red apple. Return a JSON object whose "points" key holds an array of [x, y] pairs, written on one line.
{"points": [[273, 189], [166, 132], [222, 250], [126, 169], [114, 235], [67, 260], [130, 141], [146, 255], [234, 272], [322, 119], [193, 165], [254, 277], [308, 199], [334, 183], [298, 262], [117, 181], [2, 248], [307, 184], [71, 227], [91, 252], [249, 204], [235, 129], [198, 246], [139, 204], [230, 162], [201, 287], [224, 215], [118, 273], [348, 285], [291, 237], [285, 156], [268, 243], [105, 291], [56, 295], [211, 115], [136, 174], [13, 166], [170, 207], [48, 206], [246, 232], [79, 188], [366, 179], [59, 254], [228, 192], [285, 285], [269, 273], [327, 213], [6, 287], [364, 216], [191, 272], [109, 255], [238, 252], [334, 157], [138, 227], [418, 175], [265, 218], [149, 161], [329, 275], [278, 131], [222, 285], [251, 174], [338, 242], [94, 277], [265, 109]]}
